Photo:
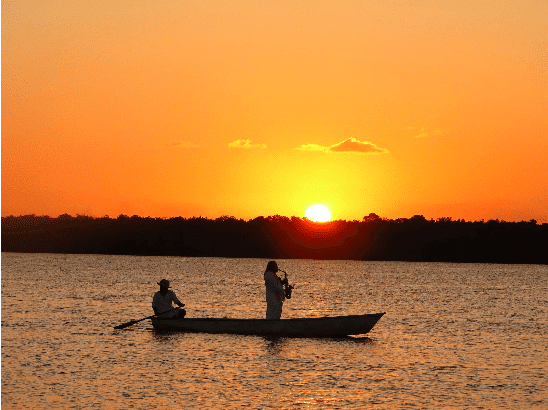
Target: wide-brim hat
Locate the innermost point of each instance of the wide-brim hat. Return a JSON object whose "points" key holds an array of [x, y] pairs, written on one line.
{"points": [[164, 283]]}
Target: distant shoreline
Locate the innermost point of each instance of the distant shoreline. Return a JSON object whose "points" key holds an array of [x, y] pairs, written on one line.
{"points": [[373, 238]]}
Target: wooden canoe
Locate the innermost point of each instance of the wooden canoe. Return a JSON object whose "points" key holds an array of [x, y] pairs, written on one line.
{"points": [[330, 326]]}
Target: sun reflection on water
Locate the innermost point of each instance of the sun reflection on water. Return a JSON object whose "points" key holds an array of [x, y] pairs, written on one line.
{"points": [[455, 336]]}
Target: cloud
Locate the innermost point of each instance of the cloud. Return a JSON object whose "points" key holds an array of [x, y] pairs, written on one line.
{"points": [[182, 144], [312, 147], [245, 144], [353, 145], [349, 146], [423, 133]]}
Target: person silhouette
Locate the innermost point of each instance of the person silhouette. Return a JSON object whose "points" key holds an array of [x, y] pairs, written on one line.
{"points": [[275, 295], [162, 302]]}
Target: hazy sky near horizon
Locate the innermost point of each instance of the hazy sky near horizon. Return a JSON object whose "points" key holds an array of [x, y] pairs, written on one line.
{"points": [[250, 108]]}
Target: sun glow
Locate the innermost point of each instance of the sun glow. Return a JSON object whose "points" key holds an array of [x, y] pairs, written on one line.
{"points": [[318, 213]]}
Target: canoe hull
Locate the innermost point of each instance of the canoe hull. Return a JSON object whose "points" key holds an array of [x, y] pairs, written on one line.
{"points": [[334, 326]]}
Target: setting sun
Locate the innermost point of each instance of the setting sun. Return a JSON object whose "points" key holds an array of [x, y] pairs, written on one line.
{"points": [[318, 213]]}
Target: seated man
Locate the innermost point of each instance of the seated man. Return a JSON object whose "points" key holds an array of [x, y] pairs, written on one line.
{"points": [[161, 302]]}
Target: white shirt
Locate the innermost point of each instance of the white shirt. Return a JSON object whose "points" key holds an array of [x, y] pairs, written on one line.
{"points": [[273, 285]]}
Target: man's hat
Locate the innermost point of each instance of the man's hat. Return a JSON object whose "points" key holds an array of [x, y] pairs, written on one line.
{"points": [[164, 283]]}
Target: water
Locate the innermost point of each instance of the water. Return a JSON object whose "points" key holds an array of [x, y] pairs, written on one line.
{"points": [[454, 336]]}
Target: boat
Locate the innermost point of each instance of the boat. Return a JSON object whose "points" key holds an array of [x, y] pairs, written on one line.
{"points": [[329, 326]]}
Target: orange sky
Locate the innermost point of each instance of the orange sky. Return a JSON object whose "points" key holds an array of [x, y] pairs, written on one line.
{"points": [[210, 108]]}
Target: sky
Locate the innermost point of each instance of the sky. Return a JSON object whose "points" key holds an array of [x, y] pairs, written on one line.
{"points": [[256, 108]]}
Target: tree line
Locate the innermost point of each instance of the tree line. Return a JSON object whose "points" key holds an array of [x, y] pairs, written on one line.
{"points": [[279, 237]]}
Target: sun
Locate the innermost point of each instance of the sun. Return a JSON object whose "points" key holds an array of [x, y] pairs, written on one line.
{"points": [[318, 213]]}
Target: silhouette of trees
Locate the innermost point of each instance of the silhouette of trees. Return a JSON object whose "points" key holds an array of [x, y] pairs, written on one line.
{"points": [[372, 238]]}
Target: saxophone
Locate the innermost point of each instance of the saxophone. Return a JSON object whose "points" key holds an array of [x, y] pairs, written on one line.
{"points": [[287, 287]]}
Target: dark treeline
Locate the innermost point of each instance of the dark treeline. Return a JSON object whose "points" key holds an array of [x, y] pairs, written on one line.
{"points": [[372, 238]]}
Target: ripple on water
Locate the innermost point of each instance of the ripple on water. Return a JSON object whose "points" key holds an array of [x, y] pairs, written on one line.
{"points": [[454, 336]]}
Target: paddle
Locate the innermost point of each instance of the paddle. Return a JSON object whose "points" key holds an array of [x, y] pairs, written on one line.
{"points": [[132, 322]]}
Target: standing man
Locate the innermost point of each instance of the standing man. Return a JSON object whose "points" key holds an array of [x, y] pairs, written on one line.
{"points": [[274, 291], [161, 302]]}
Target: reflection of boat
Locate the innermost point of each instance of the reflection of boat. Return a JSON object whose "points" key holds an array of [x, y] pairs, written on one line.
{"points": [[334, 326]]}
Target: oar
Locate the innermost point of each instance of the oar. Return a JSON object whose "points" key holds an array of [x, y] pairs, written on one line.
{"points": [[132, 322]]}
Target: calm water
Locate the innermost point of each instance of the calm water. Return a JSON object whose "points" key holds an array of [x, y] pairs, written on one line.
{"points": [[454, 336]]}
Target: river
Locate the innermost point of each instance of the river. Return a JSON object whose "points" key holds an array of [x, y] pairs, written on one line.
{"points": [[454, 335]]}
